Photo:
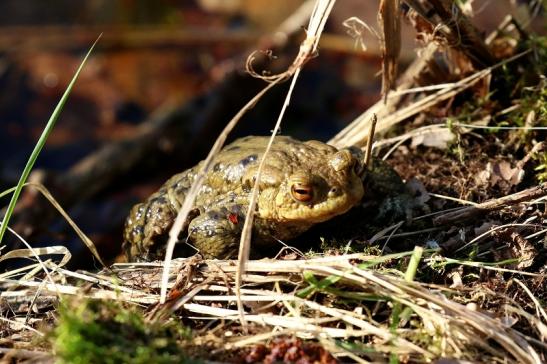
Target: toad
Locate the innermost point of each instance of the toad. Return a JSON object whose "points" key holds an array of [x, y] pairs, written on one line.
{"points": [[302, 184]]}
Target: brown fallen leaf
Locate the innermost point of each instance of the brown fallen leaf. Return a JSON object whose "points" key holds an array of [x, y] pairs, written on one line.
{"points": [[436, 138], [500, 174], [519, 248]]}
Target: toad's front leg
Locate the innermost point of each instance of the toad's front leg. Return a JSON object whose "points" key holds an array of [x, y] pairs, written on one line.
{"points": [[217, 231], [146, 228]]}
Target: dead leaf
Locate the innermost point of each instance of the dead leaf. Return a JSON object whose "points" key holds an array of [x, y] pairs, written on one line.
{"points": [[437, 138], [483, 177], [500, 174], [503, 171], [519, 248], [456, 276], [290, 256]]}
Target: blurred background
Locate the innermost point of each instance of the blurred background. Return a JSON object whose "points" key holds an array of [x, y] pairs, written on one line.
{"points": [[157, 59]]}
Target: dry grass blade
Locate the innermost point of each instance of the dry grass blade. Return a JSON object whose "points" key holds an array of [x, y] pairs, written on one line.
{"points": [[85, 239], [210, 296], [245, 241], [34, 252], [535, 323], [104, 294], [22, 325], [490, 231], [356, 132], [540, 310], [454, 313]]}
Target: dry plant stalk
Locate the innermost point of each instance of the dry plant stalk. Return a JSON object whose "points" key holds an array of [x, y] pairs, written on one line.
{"points": [[463, 34], [370, 141], [85, 239], [356, 132], [389, 17], [457, 31], [492, 205]]}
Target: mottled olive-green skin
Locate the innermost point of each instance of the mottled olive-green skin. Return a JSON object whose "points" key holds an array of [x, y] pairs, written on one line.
{"points": [[214, 227]]}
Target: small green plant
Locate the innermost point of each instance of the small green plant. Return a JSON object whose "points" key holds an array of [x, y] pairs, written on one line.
{"points": [[94, 331], [541, 168]]}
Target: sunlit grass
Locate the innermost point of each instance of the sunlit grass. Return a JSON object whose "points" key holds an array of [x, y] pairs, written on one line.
{"points": [[40, 144]]}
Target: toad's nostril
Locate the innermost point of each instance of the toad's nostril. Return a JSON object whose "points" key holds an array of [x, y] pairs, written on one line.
{"points": [[334, 191]]}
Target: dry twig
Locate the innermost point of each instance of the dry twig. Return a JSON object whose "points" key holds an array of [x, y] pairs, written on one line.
{"points": [[491, 205]]}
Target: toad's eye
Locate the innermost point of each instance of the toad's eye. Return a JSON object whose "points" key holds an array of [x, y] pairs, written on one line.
{"points": [[302, 192]]}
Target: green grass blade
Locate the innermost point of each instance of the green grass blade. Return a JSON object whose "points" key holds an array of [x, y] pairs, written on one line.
{"points": [[415, 259], [40, 144]]}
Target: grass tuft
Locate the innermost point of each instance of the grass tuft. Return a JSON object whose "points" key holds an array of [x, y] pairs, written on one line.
{"points": [[40, 144], [94, 331]]}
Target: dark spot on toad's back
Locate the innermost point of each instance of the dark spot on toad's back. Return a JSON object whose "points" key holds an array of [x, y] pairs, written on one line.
{"points": [[246, 161], [214, 215]]}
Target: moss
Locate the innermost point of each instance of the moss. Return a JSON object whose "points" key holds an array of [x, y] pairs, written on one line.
{"points": [[92, 331]]}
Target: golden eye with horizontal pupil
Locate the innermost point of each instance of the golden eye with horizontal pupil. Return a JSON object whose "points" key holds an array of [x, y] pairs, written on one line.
{"points": [[302, 192]]}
